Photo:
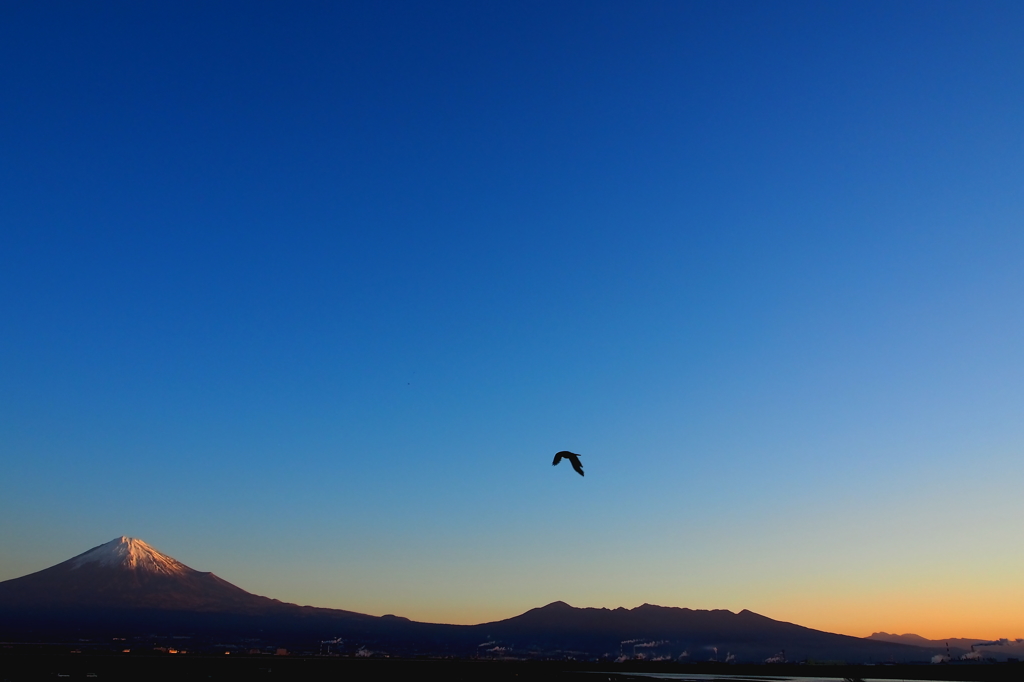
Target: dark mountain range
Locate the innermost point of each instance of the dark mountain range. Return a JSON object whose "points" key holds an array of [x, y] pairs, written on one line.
{"points": [[127, 588], [659, 632]]}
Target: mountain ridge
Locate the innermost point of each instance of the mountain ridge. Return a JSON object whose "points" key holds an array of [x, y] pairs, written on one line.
{"points": [[127, 586]]}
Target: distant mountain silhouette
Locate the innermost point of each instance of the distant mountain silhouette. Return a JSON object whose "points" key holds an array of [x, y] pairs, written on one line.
{"points": [[960, 647], [918, 640], [126, 587]]}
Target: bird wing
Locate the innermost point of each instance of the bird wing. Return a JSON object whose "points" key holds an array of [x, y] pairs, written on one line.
{"points": [[576, 465], [558, 458]]}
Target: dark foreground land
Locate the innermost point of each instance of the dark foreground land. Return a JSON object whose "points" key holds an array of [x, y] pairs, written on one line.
{"points": [[26, 665]]}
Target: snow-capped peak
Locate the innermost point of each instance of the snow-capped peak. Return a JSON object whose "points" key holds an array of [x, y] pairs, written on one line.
{"points": [[131, 553]]}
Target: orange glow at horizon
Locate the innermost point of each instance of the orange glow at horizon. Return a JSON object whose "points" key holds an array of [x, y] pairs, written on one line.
{"points": [[946, 619], [982, 614]]}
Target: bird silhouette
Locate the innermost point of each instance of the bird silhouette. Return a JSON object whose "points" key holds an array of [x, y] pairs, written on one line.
{"points": [[572, 457]]}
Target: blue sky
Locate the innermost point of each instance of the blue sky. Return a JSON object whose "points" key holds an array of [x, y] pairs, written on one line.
{"points": [[309, 296]]}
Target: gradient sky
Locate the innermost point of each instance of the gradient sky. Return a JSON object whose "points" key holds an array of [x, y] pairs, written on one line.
{"points": [[309, 295]]}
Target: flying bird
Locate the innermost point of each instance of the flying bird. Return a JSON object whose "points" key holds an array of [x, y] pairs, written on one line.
{"points": [[572, 457]]}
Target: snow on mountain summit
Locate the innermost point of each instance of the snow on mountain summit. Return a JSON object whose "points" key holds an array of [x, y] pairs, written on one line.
{"points": [[130, 553]]}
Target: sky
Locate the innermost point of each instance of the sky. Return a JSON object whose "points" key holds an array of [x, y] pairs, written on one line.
{"points": [[309, 296]]}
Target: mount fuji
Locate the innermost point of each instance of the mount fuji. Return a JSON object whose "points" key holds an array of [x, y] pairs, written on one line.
{"points": [[128, 573], [126, 585]]}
